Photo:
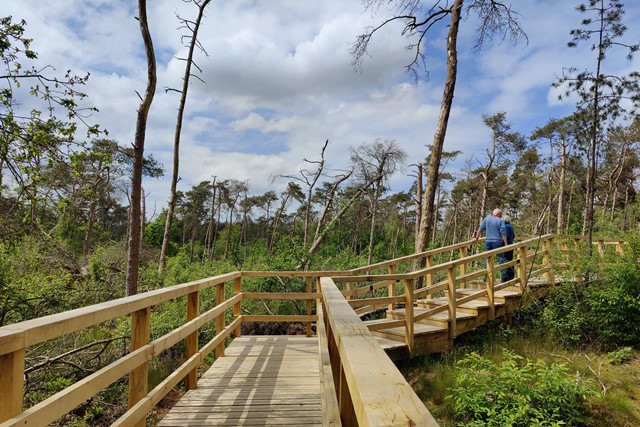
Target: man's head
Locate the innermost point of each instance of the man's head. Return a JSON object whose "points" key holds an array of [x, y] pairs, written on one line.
{"points": [[506, 219], [497, 212]]}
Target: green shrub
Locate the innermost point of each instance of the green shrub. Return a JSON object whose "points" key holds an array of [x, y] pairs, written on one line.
{"points": [[618, 357], [518, 392]]}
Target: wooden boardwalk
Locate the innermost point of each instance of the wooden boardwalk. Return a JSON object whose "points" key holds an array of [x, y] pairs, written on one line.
{"points": [[261, 380]]}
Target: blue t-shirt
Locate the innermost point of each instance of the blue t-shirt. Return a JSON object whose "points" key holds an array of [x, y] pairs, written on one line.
{"points": [[511, 233], [494, 228]]}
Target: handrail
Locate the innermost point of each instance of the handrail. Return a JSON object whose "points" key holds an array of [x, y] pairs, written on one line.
{"points": [[15, 338], [370, 389]]}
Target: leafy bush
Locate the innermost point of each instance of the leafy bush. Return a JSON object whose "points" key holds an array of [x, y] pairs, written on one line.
{"points": [[603, 309], [618, 357], [518, 392]]}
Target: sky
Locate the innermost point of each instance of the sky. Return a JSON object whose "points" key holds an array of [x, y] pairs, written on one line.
{"points": [[277, 81]]}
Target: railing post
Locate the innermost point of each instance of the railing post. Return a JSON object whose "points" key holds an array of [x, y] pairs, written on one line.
{"points": [[548, 262], [138, 378], [430, 274], [349, 287], [451, 290], [220, 319], [463, 265], [237, 288], [391, 288], [522, 266], [490, 290], [309, 303], [408, 314], [601, 248], [619, 248], [11, 383], [193, 309]]}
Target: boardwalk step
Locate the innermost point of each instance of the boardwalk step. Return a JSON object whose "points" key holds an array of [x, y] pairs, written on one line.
{"points": [[444, 315], [377, 324], [419, 329]]}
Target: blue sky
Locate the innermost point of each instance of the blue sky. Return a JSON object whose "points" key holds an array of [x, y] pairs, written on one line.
{"points": [[278, 81]]}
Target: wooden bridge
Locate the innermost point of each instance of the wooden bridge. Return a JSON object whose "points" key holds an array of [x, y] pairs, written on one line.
{"points": [[341, 372]]}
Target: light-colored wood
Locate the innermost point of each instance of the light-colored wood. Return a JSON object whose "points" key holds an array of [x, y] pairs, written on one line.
{"points": [[391, 288], [379, 393], [138, 377], [377, 302], [282, 296], [139, 411], [452, 307], [62, 402], [267, 386], [284, 318], [409, 321], [237, 311], [328, 395], [310, 303], [220, 298], [11, 384], [56, 325], [490, 288], [379, 324], [522, 266], [463, 266], [548, 260], [191, 342]]}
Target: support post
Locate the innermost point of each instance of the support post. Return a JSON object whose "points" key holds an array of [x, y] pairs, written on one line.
{"points": [[193, 309], [408, 314], [429, 275], [620, 248], [601, 248], [463, 265], [220, 319], [451, 291], [138, 378], [11, 383], [309, 303], [237, 288], [490, 291], [548, 262], [522, 267], [391, 288]]}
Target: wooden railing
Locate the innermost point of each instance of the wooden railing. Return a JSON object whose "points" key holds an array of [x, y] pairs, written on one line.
{"points": [[446, 269]]}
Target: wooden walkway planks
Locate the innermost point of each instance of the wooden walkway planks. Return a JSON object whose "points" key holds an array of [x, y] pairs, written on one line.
{"points": [[261, 381]]}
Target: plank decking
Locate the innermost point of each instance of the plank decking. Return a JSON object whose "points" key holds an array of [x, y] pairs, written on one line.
{"points": [[261, 380]]}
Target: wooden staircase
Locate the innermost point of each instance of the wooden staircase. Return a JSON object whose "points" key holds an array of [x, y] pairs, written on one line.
{"points": [[433, 334]]}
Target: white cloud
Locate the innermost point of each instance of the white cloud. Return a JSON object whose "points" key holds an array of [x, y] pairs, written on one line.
{"points": [[278, 81]]}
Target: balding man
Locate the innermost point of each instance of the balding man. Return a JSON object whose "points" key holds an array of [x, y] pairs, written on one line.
{"points": [[496, 232]]}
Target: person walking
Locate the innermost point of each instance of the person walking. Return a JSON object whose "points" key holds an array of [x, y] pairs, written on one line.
{"points": [[510, 272], [496, 234]]}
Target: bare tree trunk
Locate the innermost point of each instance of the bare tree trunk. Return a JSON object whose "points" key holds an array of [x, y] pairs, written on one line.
{"points": [[563, 175], [372, 229], [427, 213], [419, 196], [318, 241], [229, 227], [89, 235], [133, 257], [143, 215], [176, 137]]}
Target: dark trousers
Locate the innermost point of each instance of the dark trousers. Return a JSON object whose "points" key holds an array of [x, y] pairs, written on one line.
{"points": [[501, 257]]}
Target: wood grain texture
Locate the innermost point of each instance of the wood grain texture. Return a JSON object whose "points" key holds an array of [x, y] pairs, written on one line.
{"points": [[261, 380]]}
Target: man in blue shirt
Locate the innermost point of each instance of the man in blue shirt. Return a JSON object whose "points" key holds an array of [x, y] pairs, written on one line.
{"points": [[496, 234]]}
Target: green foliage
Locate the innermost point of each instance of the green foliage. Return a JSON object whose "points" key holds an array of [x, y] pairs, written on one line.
{"points": [[620, 356], [603, 309], [518, 392]]}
